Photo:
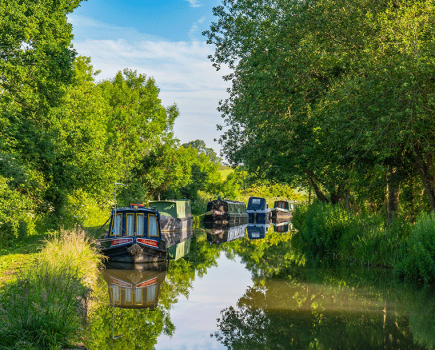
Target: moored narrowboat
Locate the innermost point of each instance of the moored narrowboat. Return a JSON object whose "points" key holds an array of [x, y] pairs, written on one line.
{"points": [[175, 214], [226, 212], [134, 236], [258, 210], [282, 210]]}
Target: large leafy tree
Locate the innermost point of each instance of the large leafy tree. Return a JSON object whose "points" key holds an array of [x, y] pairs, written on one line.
{"points": [[327, 90]]}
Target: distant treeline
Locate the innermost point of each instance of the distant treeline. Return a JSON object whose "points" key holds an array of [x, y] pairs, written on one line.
{"points": [[337, 96]]}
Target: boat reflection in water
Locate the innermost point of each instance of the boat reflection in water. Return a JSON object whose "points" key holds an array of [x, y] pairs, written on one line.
{"points": [[134, 286], [180, 244], [283, 227], [257, 231], [221, 233]]}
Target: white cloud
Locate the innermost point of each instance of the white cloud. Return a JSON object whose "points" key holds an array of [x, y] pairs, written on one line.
{"points": [[194, 3], [182, 72]]}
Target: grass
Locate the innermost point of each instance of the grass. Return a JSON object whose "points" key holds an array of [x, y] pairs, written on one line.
{"points": [[45, 306], [225, 171], [18, 255]]}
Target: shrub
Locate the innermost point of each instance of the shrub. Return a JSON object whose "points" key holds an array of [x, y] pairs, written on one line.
{"points": [[419, 262], [46, 306], [321, 227], [370, 241]]}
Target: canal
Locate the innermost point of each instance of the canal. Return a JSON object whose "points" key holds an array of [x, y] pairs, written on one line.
{"points": [[250, 288]]}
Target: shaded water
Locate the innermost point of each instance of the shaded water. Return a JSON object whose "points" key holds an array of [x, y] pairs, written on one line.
{"points": [[249, 288]]}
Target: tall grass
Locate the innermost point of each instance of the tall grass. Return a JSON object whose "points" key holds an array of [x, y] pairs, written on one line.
{"points": [[329, 232], [320, 228], [46, 306], [419, 262]]}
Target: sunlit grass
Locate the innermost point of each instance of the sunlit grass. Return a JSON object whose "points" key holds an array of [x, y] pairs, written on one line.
{"points": [[46, 305]]}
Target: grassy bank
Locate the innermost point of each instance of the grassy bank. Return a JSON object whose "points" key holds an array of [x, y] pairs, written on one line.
{"points": [[328, 232], [46, 305]]}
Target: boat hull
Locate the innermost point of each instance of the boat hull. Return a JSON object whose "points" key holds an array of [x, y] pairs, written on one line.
{"points": [[170, 224], [226, 218], [260, 217], [122, 250]]}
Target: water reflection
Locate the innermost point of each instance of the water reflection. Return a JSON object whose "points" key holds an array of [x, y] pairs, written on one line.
{"points": [[280, 304], [180, 245], [292, 314], [134, 286], [218, 233], [282, 226], [257, 231]]}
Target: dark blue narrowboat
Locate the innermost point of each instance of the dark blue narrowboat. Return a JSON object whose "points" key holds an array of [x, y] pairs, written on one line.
{"points": [[134, 236], [258, 210], [257, 231]]}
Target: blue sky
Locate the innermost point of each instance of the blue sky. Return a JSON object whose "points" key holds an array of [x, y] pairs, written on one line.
{"points": [[161, 39]]}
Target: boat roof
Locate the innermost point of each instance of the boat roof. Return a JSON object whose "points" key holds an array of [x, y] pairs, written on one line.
{"points": [[169, 201], [134, 208]]}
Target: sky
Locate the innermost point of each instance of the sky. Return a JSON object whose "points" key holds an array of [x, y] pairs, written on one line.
{"points": [[161, 39]]}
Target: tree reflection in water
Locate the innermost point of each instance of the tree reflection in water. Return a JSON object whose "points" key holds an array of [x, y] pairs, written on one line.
{"points": [[140, 327], [289, 307]]}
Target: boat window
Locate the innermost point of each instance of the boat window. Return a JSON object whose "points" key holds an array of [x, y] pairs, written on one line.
{"points": [[138, 296], [139, 224], [152, 293], [116, 294], [130, 224], [153, 230], [255, 201], [116, 230], [128, 296]]}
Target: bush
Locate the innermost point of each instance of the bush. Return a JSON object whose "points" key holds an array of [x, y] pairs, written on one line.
{"points": [[419, 263], [369, 240], [46, 306], [321, 227], [16, 218]]}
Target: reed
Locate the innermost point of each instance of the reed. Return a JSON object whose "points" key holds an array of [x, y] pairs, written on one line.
{"points": [[330, 232], [419, 261], [46, 306]]}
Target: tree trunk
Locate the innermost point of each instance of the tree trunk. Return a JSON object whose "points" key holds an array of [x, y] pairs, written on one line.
{"points": [[317, 190], [424, 170], [347, 201], [393, 195]]}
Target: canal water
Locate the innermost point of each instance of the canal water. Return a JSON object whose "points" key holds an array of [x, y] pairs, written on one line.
{"points": [[248, 287]]}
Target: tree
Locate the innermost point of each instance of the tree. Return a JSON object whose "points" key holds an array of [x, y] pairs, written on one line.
{"points": [[326, 90], [201, 147]]}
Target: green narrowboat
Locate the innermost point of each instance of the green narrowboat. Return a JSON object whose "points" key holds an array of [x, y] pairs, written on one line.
{"points": [[175, 214]]}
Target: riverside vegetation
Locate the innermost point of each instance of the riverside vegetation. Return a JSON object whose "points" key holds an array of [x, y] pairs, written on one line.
{"points": [[332, 97]]}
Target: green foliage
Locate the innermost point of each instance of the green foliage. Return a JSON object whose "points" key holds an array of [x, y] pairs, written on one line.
{"points": [[328, 96], [327, 231], [419, 261], [16, 218], [201, 147], [46, 305], [322, 228]]}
